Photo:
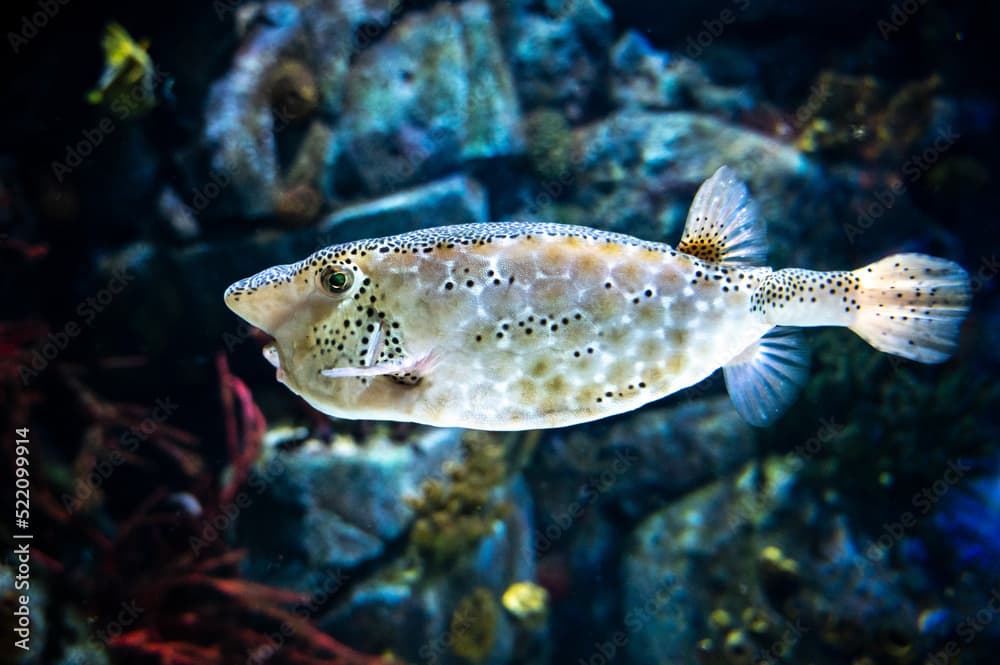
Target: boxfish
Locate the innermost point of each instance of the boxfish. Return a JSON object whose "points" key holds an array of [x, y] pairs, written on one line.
{"points": [[523, 325]]}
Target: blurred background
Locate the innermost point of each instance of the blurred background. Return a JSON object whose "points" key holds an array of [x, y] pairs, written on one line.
{"points": [[186, 508]]}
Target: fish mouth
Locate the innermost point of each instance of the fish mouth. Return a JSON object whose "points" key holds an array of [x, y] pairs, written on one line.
{"points": [[270, 352]]}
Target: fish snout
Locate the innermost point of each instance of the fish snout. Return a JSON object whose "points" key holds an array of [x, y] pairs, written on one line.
{"points": [[266, 300]]}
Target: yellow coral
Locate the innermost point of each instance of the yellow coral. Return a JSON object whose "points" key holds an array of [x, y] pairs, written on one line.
{"points": [[528, 602], [453, 516], [473, 625]]}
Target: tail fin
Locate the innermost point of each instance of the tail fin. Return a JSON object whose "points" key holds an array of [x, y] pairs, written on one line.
{"points": [[912, 305]]}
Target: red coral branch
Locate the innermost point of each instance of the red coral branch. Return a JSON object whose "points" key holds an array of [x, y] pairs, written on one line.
{"points": [[241, 415]]}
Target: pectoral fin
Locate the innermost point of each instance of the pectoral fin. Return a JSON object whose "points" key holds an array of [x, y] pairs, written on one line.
{"points": [[408, 371], [767, 377]]}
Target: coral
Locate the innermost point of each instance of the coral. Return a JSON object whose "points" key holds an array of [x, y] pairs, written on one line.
{"points": [[528, 602], [403, 591], [967, 519], [158, 584], [852, 117], [921, 419], [805, 589], [452, 516], [472, 628]]}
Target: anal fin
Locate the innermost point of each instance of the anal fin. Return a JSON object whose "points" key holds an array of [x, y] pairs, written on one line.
{"points": [[767, 377], [722, 225]]}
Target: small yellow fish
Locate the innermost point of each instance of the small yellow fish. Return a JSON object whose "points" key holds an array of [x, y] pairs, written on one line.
{"points": [[127, 82], [514, 326]]}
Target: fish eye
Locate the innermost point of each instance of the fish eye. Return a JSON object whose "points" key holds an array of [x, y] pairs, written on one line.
{"points": [[335, 280]]}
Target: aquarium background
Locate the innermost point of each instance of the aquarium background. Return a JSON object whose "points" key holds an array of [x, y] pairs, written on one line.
{"points": [[186, 508]]}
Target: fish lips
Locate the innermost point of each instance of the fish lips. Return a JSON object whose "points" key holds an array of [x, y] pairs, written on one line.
{"points": [[272, 356]]}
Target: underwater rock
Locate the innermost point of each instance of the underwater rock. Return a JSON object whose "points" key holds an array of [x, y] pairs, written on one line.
{"points": [[749, 569], [559, 58], [592, 485], [336, 32], [641, 75], [453, 200], [180, 288], [967, 520], [622, 461], [56, 625], [435, 608], [644, 78], [332, 508], [261, 130], [435, 91], [239, 124], [636, 172]]}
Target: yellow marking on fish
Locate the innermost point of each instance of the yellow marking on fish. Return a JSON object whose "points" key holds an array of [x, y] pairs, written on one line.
{"points": [[519, 325]]}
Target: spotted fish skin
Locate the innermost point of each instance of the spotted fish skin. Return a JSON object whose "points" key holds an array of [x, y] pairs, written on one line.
{"points": [[512, 326]]}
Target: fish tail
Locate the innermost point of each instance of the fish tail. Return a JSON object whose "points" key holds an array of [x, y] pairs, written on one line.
{"points": [[910, 305]]}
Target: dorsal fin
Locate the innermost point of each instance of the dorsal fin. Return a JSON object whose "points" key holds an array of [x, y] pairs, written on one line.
{"points": [[722, 225]]}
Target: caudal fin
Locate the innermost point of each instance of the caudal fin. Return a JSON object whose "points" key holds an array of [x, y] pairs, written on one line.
{"points": [[912, 305]]}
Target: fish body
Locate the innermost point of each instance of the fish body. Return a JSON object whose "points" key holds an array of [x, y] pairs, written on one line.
{"points": [[512, 326]]}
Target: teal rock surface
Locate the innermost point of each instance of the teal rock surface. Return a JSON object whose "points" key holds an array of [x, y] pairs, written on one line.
{"points": [[434, 92]]}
